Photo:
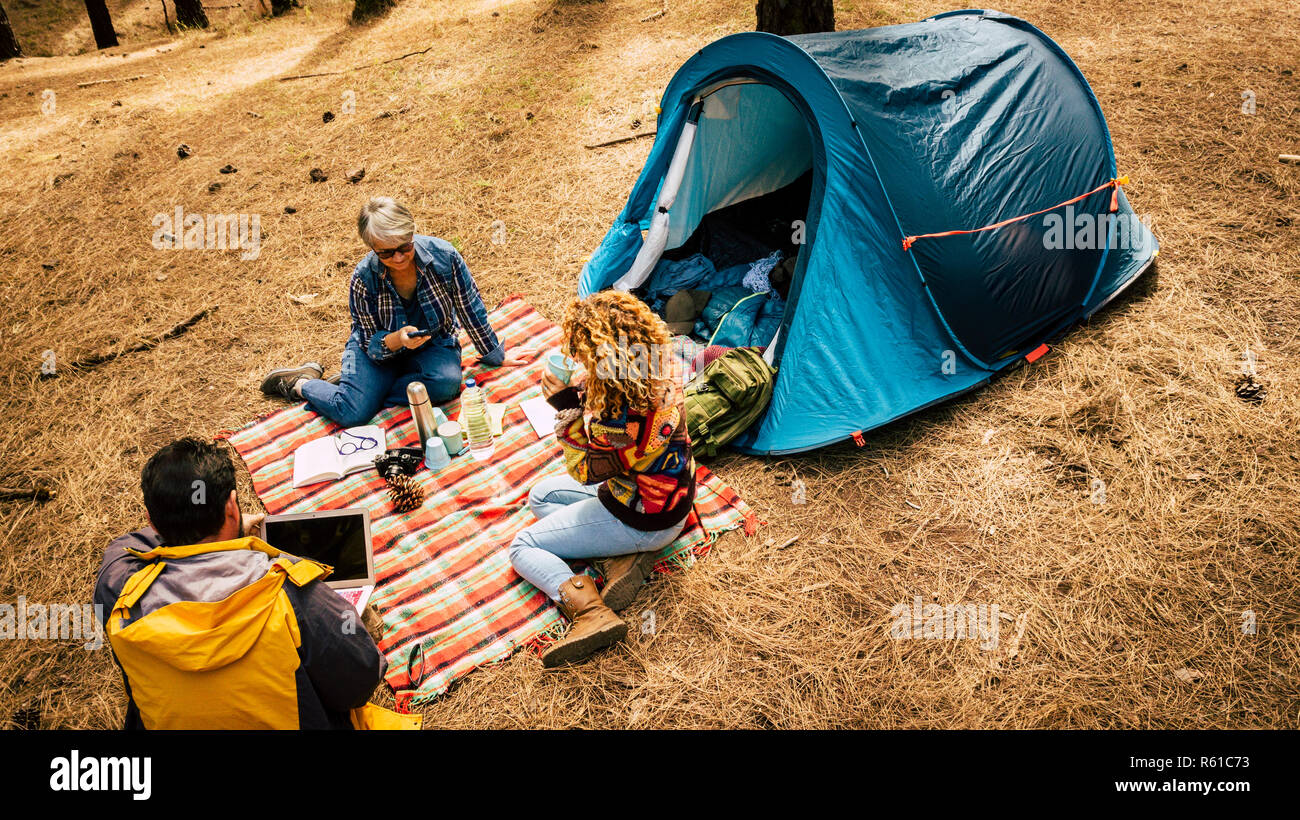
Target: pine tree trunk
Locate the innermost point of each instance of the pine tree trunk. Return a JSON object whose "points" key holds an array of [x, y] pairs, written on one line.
{"points": [[190, 14], [8, 42], [101, 24], [795, 16], [366, 9]]}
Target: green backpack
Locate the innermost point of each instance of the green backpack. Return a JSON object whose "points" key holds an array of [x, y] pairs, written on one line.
{"points": [[726, 397]]}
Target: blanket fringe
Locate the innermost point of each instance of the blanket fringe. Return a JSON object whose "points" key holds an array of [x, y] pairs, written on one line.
{"points": [[685, 557], [679, 560], [538, 644]]}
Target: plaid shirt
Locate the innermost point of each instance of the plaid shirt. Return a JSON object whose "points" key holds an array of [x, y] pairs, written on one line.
{"points": [[445, 290]]}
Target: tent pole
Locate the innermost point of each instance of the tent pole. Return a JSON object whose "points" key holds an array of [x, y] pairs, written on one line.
{"points": [[657, 237]]}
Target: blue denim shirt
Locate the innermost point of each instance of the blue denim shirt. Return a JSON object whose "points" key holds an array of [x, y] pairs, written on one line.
{"points": [[446, 293]]}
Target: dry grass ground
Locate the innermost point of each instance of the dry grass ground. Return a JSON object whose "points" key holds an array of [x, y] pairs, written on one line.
{"points": [[987, 500]]}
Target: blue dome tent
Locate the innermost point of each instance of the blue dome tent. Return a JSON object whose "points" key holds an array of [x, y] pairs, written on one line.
{"points": [[958, 200]]}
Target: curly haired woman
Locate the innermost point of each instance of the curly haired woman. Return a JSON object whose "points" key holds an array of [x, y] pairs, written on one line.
{"points": [[624, 430]]}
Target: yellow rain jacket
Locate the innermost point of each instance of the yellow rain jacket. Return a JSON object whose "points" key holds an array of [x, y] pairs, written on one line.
{"points": [[236, 635]]}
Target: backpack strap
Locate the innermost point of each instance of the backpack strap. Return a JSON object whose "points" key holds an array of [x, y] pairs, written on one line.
{"points": [[134, 588]]}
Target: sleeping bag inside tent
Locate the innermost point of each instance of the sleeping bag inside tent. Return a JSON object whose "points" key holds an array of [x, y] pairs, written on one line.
{"points": [[942, 194]]}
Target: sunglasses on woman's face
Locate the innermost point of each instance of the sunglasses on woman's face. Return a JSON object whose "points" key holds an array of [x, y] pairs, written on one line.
{"points": [[388, 252]]}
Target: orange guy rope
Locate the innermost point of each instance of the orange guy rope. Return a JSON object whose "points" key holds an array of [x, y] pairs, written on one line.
{"points": [[1114, 206]]}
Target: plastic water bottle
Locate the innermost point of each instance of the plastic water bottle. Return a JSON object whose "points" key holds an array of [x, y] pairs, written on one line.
{"points": [[474, 416]]}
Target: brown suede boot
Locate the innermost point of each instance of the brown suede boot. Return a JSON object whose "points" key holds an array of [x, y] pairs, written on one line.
{"points": [[624, 575], [592, 625]]}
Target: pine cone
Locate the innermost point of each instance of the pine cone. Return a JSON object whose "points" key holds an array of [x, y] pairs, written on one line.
{"points": [[405, 493], [1249, 390]]}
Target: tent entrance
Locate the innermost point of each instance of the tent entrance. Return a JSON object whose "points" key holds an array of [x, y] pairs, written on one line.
{"points": [[752, 229], [736, 193], [750, 140]]}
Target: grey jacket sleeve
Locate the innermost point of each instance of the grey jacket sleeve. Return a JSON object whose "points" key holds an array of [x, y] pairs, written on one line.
{"points": [[118, 565]]}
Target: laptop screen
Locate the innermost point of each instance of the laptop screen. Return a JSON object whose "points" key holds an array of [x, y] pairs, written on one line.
{"points": [[336, 540]]}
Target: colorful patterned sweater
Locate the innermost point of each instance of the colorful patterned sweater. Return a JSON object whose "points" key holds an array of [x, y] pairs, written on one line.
{"points": [[644, 460]]}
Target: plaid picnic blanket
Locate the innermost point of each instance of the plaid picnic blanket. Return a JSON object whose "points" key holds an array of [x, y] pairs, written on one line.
{"points": [[449, 598]]}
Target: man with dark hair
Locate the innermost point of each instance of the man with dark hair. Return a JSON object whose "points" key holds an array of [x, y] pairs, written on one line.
{"points": [[187, 486], [214, 628]]}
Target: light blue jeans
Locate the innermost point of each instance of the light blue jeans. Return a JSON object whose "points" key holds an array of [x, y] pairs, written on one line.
{"points": [[573, 524]]}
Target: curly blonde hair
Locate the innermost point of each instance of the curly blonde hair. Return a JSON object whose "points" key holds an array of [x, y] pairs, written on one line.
{"points": [[626, 349]]}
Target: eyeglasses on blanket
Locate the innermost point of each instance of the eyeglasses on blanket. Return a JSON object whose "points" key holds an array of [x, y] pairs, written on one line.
{"points": [[347, 448]]}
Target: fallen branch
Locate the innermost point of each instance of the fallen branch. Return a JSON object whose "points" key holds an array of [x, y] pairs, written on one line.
{"points": [[355, 68], [113, 80], [657, 14], [1293, 159], [97, 359], [622, 139], [41, 494]]}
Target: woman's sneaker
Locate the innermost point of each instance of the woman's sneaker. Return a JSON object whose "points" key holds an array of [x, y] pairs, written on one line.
{"points": [[279, 383], [624, 575]]}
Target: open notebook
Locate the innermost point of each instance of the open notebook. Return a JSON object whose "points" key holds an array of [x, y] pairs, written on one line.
{"points": [[332, 457]]}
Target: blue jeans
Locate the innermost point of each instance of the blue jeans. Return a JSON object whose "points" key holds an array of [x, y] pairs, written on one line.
{"points": [[365, 387], [574, 524]]}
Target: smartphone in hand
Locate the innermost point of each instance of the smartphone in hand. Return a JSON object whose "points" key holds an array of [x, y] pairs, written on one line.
{"points": [[415, 334]]}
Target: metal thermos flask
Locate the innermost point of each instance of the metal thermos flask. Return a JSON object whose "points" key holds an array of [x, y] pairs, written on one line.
{"points": [[421, 411]]}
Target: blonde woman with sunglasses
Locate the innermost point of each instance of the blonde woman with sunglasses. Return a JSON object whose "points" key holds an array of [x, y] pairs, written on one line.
{"points": [[407, 298]]}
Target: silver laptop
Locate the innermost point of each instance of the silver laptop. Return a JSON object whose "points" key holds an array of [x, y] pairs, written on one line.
{"points": [[337, 538]]}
